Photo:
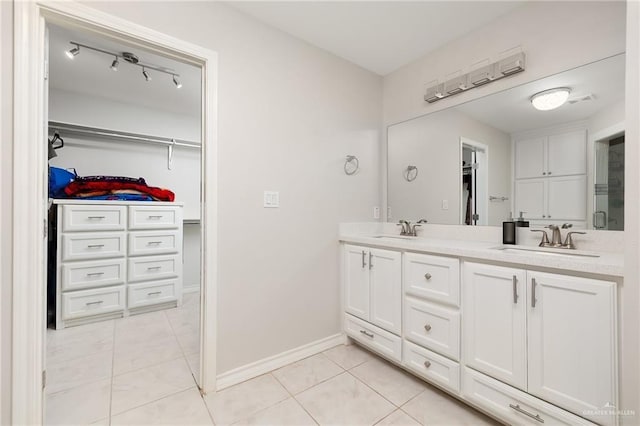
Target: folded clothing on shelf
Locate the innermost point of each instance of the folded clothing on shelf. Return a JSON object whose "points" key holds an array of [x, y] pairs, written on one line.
{"points": [[116, 188]]}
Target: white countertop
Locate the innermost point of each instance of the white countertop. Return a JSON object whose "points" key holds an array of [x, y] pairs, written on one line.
{"points": [[611, 264]]}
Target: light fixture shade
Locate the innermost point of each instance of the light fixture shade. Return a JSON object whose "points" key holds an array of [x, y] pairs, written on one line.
{"points": [[146, 75], [73, 52], [177, 82], [550, 99], [114, 64]]}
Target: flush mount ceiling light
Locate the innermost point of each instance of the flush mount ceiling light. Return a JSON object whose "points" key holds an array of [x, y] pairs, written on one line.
{"points": [[129, 58], [550, 99]]}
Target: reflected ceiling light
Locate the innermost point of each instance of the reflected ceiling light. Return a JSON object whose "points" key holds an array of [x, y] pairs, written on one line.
{"points": [[114, 64], [177, 82], [550, 99], [73, 52], [146, 74]]}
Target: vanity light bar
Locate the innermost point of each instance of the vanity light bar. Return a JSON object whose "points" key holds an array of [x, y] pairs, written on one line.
{"points": [[501, 69]]}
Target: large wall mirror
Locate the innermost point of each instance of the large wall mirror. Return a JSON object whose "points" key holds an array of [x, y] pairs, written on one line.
{"points": [[478, 162]]}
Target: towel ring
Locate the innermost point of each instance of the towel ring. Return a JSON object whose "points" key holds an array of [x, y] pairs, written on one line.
{"points": [[351, 165], [410, 173]]}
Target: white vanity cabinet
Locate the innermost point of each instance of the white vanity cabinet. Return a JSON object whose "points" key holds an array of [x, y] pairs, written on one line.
{"points": [[551, 335]]}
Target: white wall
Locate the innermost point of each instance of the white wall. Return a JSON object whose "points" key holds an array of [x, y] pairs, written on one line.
{"points": [[432, 143], [289, 113]]}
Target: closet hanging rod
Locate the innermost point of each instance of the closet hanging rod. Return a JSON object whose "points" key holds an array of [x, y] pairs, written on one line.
{"points": [[115, 134]]}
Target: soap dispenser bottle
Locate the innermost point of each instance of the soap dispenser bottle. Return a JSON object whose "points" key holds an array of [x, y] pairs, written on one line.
{"points": [[521, 222], [509, 231]]}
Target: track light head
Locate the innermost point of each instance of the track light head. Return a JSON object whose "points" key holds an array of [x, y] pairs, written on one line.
{"points": [[177, 82], [114, 64], [146, 75], [73, 52]]}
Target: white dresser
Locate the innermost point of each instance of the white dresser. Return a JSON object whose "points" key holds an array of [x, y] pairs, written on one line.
{"points": [[116, 258]]}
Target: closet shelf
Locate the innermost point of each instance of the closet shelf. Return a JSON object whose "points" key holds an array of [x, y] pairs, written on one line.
{"points": [[69, 128]]}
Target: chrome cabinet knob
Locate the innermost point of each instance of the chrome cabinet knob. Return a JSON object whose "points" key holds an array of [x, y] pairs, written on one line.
{"points": [[427, 276], [427, 364], [544, 173], [427, 327]]}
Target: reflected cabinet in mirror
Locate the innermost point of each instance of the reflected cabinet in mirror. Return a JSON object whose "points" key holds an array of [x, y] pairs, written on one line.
{"points": [[551, 150]]}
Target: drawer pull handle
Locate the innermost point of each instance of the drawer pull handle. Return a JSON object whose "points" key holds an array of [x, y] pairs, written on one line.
{"points": [[94, 303], [370, 260], [95, 246], [156, 216], [96, 217], [427, 364], [154, 243], [427, 327], [95, 274], [533, 292], [515, 289], [526, 413], [153, 268], [363, 261], [366, 333], [153, 293], [427, 276]]}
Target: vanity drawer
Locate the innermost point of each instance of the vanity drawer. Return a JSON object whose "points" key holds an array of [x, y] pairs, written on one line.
{"points": [[84, 303], [431, 366], [512, 405], [432, 326], [154, 242], [386, 344], [152, 293], [93, 218], [79, 275], [153, 268], [435, 278], [79, 246], [154, 217]]}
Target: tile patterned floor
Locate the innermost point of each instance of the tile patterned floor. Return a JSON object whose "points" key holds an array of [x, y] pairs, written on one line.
{"points": [[110, 374]]}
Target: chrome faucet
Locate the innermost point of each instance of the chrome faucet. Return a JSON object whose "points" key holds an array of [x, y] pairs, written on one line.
{"points": [[408, 229], [556, 238]]}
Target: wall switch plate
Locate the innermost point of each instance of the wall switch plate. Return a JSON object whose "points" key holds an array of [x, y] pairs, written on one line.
{"points": [[376, 212], [271, 199], [445, 204]]}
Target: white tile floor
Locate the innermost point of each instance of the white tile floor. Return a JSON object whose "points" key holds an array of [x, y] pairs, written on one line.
{"points": [[114, 374]]}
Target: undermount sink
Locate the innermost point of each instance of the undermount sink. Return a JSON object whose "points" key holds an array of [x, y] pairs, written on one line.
{"points": [[394, 237], [543, 251]]}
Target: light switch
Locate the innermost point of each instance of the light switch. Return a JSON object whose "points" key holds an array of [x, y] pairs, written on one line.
{"points": [[271, 199], [445, 204], [376, 212]]}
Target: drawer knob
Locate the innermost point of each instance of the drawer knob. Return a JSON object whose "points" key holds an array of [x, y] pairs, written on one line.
{"points": [[427, 327], [366, 333], [427, 276], [427, 364]]}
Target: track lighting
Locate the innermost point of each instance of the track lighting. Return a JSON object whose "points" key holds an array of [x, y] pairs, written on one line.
{"points": [[146, 74], [176, 82], [73, 52], [114, 64]]}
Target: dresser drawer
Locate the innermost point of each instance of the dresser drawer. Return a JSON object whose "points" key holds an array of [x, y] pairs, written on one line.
{"points": [[153, 268], [154, 242], [154, 217], [99, 273], [512, 405], [78, 246], [432, 326], [381, 341], [435, 278], [84, 303], [93, 218], [431, 366], [152, 293]]}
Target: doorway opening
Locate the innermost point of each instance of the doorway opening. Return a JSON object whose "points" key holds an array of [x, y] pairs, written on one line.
{"points": [[474, 208], [608, 202]]}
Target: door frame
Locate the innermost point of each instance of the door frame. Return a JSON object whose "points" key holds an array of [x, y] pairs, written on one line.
{"points": [[30, 189], [484, 206]]}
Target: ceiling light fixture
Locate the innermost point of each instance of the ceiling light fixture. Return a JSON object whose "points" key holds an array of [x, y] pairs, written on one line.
{"points": [[128, 58], [73, 52], [550, 99], [177, 82]]}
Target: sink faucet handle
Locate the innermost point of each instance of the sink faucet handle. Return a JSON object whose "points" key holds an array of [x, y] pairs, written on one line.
{"points": [[422, 221], [567, 225], [545, 238], [568, 242]]}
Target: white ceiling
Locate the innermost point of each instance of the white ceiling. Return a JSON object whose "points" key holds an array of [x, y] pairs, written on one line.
{"points": [[90, 73], [380, 36], [511, 110]]}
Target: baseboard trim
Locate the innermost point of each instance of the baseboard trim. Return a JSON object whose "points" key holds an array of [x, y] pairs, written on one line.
{"points": [[190, 289], [255, 369]]}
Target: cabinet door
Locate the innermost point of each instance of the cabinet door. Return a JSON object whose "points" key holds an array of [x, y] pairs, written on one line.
{"points": [[567, 153], [567, 197], [494, 322], [356, 281], [530, 161], [386, 289], [572, 341], [531, 198]]}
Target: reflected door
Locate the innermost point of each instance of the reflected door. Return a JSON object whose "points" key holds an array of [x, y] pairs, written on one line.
{"points": [[609, 184]]}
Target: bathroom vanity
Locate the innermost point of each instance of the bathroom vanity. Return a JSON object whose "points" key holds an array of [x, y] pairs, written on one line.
{"points": [[526, 335]]}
